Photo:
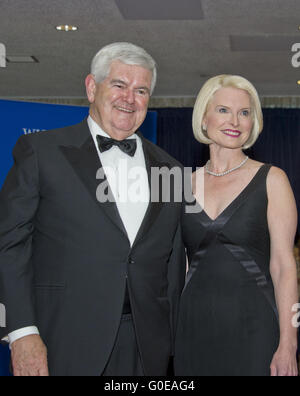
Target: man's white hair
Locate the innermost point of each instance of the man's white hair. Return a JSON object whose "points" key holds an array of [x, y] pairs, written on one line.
{"points": [[127, 53]]}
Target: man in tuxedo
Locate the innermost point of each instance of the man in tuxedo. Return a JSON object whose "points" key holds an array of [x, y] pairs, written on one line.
{"points": [[91, 285]]}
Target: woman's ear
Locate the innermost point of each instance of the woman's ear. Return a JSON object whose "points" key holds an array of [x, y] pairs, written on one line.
{"points": [[204, 124]]}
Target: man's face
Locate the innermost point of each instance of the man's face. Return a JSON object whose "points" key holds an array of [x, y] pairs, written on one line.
{"points": [[119, 103]]}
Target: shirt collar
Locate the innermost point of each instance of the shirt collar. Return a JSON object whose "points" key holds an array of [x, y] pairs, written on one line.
{"points": [[97, 130]]}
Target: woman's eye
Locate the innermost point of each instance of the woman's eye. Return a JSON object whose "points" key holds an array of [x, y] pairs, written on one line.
{"points": [[222, 110], [246, 113]]}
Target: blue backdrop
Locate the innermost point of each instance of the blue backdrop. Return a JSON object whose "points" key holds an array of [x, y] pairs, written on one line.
{"points": [[19, 118]]}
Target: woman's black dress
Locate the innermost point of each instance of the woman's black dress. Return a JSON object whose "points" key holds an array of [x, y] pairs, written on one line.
{"points": [[228, 320]]}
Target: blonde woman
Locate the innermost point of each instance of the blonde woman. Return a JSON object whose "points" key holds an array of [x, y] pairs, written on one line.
{"points": [[236, 308]]}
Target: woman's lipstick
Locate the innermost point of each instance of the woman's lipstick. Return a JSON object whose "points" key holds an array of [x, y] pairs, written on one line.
{"points": [[232, 133]]}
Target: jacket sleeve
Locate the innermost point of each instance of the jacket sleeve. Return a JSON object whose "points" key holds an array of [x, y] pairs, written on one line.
{"points": [[19, 200]]}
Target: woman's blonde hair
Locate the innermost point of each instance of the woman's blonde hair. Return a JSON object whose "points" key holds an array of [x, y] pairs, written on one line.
{"points": [[205, 96]]}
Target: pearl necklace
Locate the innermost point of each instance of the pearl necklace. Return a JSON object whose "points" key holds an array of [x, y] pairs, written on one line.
{"points": [[226, 172]]}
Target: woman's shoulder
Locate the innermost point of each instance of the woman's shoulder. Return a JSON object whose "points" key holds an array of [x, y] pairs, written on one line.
{"points": [[277, 175], [278, 183], [274, 173]]}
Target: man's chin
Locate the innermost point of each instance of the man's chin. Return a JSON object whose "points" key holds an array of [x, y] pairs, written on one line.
{"points": [[125, 128], [122, 133]]}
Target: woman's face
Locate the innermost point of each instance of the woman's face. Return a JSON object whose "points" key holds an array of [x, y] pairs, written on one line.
{"points": [[229, 118]]}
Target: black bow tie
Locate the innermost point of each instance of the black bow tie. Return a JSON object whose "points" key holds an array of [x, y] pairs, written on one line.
{"points": [[128, 146]]}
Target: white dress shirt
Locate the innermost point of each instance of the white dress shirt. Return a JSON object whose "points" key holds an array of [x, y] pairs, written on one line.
{"points": [[128, 181]]}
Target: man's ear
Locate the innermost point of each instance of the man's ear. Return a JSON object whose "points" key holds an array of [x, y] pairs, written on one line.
{"points": [[90, 85]]}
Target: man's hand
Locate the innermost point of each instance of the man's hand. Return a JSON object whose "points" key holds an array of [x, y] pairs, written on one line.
{"points": [[29, 357]]}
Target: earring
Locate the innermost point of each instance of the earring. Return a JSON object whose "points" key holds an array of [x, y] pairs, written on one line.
{"points": [[204, 127]]}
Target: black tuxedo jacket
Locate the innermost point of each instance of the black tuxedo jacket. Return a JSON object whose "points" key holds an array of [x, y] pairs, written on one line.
{"points": [[65, 257]]}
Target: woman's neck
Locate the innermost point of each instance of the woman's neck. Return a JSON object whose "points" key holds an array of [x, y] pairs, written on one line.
{"points": [[222, 159]]}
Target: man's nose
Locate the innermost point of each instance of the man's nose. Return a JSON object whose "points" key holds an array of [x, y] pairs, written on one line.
{"points": [[129, 96]]}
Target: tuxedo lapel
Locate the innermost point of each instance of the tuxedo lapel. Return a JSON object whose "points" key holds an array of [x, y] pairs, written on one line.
{"points": [[154, 208], [86, 164]]}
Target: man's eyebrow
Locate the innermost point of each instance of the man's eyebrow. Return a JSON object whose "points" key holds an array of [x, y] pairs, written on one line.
{"points": [[117, 82], [124, 83]]}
